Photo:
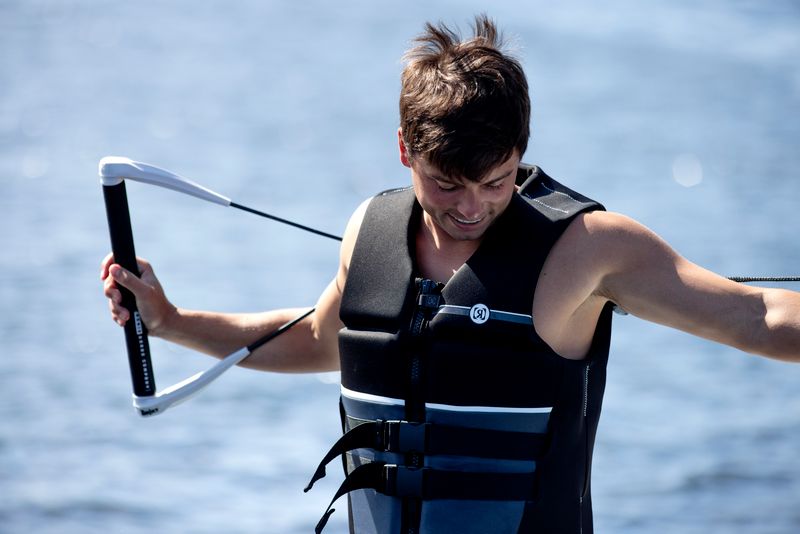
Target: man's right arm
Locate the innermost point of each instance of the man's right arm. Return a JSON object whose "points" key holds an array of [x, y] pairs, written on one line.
{"points": [[309, 346]]}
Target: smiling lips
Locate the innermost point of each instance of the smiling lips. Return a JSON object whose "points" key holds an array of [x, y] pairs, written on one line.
{"points": [[465, 222]]}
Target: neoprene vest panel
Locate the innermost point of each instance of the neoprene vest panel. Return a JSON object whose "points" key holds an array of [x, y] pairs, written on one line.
{"points": [[457, 416]]}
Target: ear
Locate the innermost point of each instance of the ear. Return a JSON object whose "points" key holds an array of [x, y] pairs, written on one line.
{"points": [[403, 151]]}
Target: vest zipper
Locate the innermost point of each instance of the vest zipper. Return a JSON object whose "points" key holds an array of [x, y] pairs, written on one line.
{"points": [[586, 388], [428, 299], [586, 468]]}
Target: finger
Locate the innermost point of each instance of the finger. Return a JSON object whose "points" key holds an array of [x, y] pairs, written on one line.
{"points": [[126, 279], [146, 273], [111, 292], [114, 296], [143, 264], [104, 265], [119, 314]]}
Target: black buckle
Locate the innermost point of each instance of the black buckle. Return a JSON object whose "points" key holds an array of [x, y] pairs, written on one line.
{"points": [[429, 302], [402, 481], [401, 436], [429, 296]]}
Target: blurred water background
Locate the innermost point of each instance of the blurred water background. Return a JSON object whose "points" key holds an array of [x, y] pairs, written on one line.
{"points": [[682, 114]]}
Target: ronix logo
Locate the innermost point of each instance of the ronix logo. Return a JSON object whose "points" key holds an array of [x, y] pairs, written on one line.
{"points": [[479, 313]]}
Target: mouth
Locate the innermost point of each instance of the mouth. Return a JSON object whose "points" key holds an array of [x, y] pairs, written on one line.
{"points": [[467, 222]]}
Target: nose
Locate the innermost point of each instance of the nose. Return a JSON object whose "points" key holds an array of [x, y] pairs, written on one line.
{"points": [[469, 204]]}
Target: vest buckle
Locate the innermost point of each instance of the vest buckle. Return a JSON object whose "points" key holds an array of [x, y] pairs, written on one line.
{"points": [[402, 481], [429, 297], [402, 436]]}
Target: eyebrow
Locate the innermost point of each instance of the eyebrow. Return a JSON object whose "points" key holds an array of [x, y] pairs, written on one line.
{"points": [[503, 177], [440, 178]]}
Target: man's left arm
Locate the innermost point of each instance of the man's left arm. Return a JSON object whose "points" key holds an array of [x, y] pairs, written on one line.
{"points": [[642, 274]]}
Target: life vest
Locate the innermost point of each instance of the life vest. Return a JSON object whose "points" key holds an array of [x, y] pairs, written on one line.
{"points": [[457, 416]]}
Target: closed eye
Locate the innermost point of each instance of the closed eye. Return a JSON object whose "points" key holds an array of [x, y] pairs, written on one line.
{"points": [[495, 185], [445, 186]]}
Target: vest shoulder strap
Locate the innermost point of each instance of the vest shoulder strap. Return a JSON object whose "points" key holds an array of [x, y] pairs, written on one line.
{"points": [[552, 198], [384, 231]]}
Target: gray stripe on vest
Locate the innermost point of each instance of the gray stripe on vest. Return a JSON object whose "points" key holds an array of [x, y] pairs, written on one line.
{"points": [[495, 315], [567, 206], [390, 401]]}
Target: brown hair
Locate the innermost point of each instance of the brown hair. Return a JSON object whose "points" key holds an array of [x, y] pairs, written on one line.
{"points": [[464, 104]]}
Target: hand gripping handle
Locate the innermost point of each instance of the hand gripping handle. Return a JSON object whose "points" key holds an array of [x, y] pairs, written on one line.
{"points": [[119, 227]]}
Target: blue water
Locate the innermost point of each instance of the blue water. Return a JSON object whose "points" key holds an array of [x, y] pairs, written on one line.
{"points": [[681, 114]]}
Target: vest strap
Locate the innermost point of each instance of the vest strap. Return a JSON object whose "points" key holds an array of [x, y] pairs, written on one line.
{"points": [[431, 484], [362, 477], [432, 439]]}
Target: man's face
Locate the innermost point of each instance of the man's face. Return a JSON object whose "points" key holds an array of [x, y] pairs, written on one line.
{"points": [[462, 209]]}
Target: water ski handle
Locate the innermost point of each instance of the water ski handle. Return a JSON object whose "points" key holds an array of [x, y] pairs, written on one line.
{"points": [[136, 340], [115, 169]]}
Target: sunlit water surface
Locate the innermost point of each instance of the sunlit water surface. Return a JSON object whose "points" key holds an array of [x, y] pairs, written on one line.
{"points": [[681, 114]]}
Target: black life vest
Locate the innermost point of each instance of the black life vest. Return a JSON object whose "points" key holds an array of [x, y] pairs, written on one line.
{"points": [[457, 416]]}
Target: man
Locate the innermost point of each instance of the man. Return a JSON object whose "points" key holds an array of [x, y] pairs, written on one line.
{"points": [[470, 315]]}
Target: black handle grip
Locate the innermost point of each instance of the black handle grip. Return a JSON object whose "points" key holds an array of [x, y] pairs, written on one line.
{"points": [[119, 227]]}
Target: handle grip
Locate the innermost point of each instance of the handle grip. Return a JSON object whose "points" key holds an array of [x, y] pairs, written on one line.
{"points": [[121, 233]]}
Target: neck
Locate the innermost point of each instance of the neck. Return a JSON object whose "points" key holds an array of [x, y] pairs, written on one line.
{"points": [[442, 242], [439, 256]]}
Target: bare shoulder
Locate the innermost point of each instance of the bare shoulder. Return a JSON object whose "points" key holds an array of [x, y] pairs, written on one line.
{"points": [[573, 286], [604, 257], [592, 245], [597, 230], [600, 244], [619, 232]]}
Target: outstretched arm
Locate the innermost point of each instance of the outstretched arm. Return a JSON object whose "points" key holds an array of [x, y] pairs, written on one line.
{"points": [[650, 280], [609, 257], [309, 346], [302, 348]]}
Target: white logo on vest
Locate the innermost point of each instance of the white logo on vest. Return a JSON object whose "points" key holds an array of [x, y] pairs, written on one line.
{"points": [[479, 313]]}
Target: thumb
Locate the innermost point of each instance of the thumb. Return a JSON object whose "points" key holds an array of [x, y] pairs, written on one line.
{"points": [[127, 279]]}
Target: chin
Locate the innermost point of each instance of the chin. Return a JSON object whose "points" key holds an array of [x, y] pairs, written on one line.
{"points": [[460, 234]]}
